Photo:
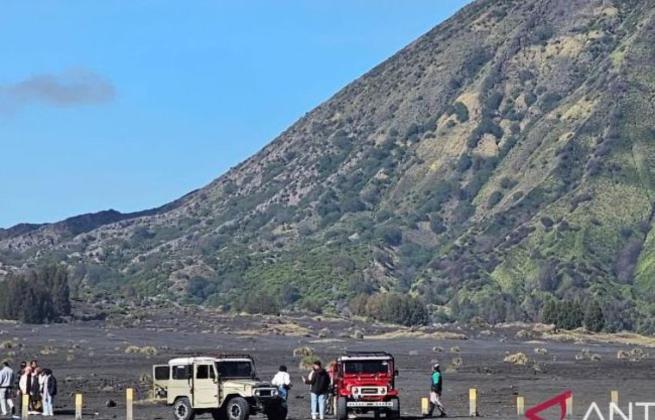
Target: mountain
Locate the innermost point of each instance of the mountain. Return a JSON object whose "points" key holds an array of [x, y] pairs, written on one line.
{"points": [[504, 158]]}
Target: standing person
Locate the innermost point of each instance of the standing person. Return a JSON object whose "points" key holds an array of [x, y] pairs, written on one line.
{"points": [[6, 384], [34, 391], [19, 394], [282, 381], [24, 384], [330, 402], [320, 386], [48, 392], [436, 388]]}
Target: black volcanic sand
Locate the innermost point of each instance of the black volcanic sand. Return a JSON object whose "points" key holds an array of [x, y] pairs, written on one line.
{"points": [[90, 357]]}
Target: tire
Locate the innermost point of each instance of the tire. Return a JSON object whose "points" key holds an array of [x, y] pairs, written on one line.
{"points": [[182, 409], [333, 405], [394, 411], [274, 411], [342, 409], [237, 408]]}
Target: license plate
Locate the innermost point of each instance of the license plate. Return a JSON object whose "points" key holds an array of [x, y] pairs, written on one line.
{"points": [[369, 404]]}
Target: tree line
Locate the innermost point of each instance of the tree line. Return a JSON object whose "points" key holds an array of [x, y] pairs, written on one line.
{"points": [[570, 315], [36, 296], [391, 307]]}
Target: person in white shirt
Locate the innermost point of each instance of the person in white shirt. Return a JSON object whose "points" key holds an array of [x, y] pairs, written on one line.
{"points": [[282, 381], [282, 378], [6, 383]]}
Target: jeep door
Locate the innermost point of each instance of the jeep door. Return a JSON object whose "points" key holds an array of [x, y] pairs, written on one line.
{"points": [[161, 375], [205, 386]]}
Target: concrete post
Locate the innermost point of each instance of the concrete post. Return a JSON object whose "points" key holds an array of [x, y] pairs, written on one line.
{"points": [[425, 406], [129, 394], [79, 400], [473, 402], [520, 406], [25, 407]]}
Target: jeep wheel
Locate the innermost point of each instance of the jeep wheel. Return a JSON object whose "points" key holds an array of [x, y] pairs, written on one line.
{"points": [[394, 412], [342, 409], [237, 409], [274, 411], [182, 409]]}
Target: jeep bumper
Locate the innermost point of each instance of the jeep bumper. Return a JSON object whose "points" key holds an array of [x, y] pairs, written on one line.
{"points": [[369, 404]]}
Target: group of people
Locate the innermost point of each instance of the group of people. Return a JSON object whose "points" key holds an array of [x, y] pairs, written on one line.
{"points": [[320, 382], [318, 379], [37, 383]]}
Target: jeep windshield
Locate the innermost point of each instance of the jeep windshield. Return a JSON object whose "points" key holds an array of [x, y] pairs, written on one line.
{"points": [[235, 369], [366, 367]]}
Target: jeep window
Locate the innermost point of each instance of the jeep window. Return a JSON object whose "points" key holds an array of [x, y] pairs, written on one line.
{"points": [[366, 367], [202, 371], [235, 369], [182, 372], [162, 372]]}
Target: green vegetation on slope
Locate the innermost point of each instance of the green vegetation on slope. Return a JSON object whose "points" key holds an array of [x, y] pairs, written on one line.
{"points": [[500, 162]]}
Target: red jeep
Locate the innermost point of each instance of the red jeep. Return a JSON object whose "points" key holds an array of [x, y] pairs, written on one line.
{"points": [[365, 382]]}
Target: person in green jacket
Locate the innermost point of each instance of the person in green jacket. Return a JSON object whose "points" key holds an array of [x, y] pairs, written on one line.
{"points": [[436, 388]]}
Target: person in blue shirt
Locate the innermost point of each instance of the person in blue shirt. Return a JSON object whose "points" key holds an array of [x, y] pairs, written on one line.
{"points": [[436, 388]]}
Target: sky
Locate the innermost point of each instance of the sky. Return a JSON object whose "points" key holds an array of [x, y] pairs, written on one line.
{"points": [[131, 104]]}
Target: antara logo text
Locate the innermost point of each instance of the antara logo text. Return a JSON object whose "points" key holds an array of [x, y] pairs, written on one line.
{"points": [[635, 410]]}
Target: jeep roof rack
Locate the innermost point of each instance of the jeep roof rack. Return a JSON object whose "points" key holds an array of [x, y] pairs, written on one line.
{"points": [[233, 356], [365, 355]]}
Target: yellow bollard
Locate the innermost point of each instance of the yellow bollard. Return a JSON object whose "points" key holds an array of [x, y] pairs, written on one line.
{"points": [[25, 407], [520, 406], [569, 406], [78, 406], [129, 394], [425, 406], [473, 402], [614, 397]]}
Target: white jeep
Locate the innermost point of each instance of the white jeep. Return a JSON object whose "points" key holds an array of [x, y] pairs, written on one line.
{"points": [[225, 386]]}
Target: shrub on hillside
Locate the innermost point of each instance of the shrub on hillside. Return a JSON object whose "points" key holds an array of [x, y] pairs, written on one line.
{"points": [[492, 102], [494, 199], [289, 294], [437, 224], [260, 303], [550, 101], [390, 235], [460, 110], [199, 288]]}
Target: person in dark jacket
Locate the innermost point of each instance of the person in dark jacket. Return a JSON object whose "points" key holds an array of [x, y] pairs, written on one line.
{"points": [[436, 388], [34, 391], [48, 392], [320, 386]]}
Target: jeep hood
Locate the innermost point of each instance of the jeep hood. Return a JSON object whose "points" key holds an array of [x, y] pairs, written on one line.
{"points": [[247, 383], [370, 380]]}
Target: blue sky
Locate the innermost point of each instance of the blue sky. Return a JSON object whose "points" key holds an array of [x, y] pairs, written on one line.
{"points": [[131, 104]]}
